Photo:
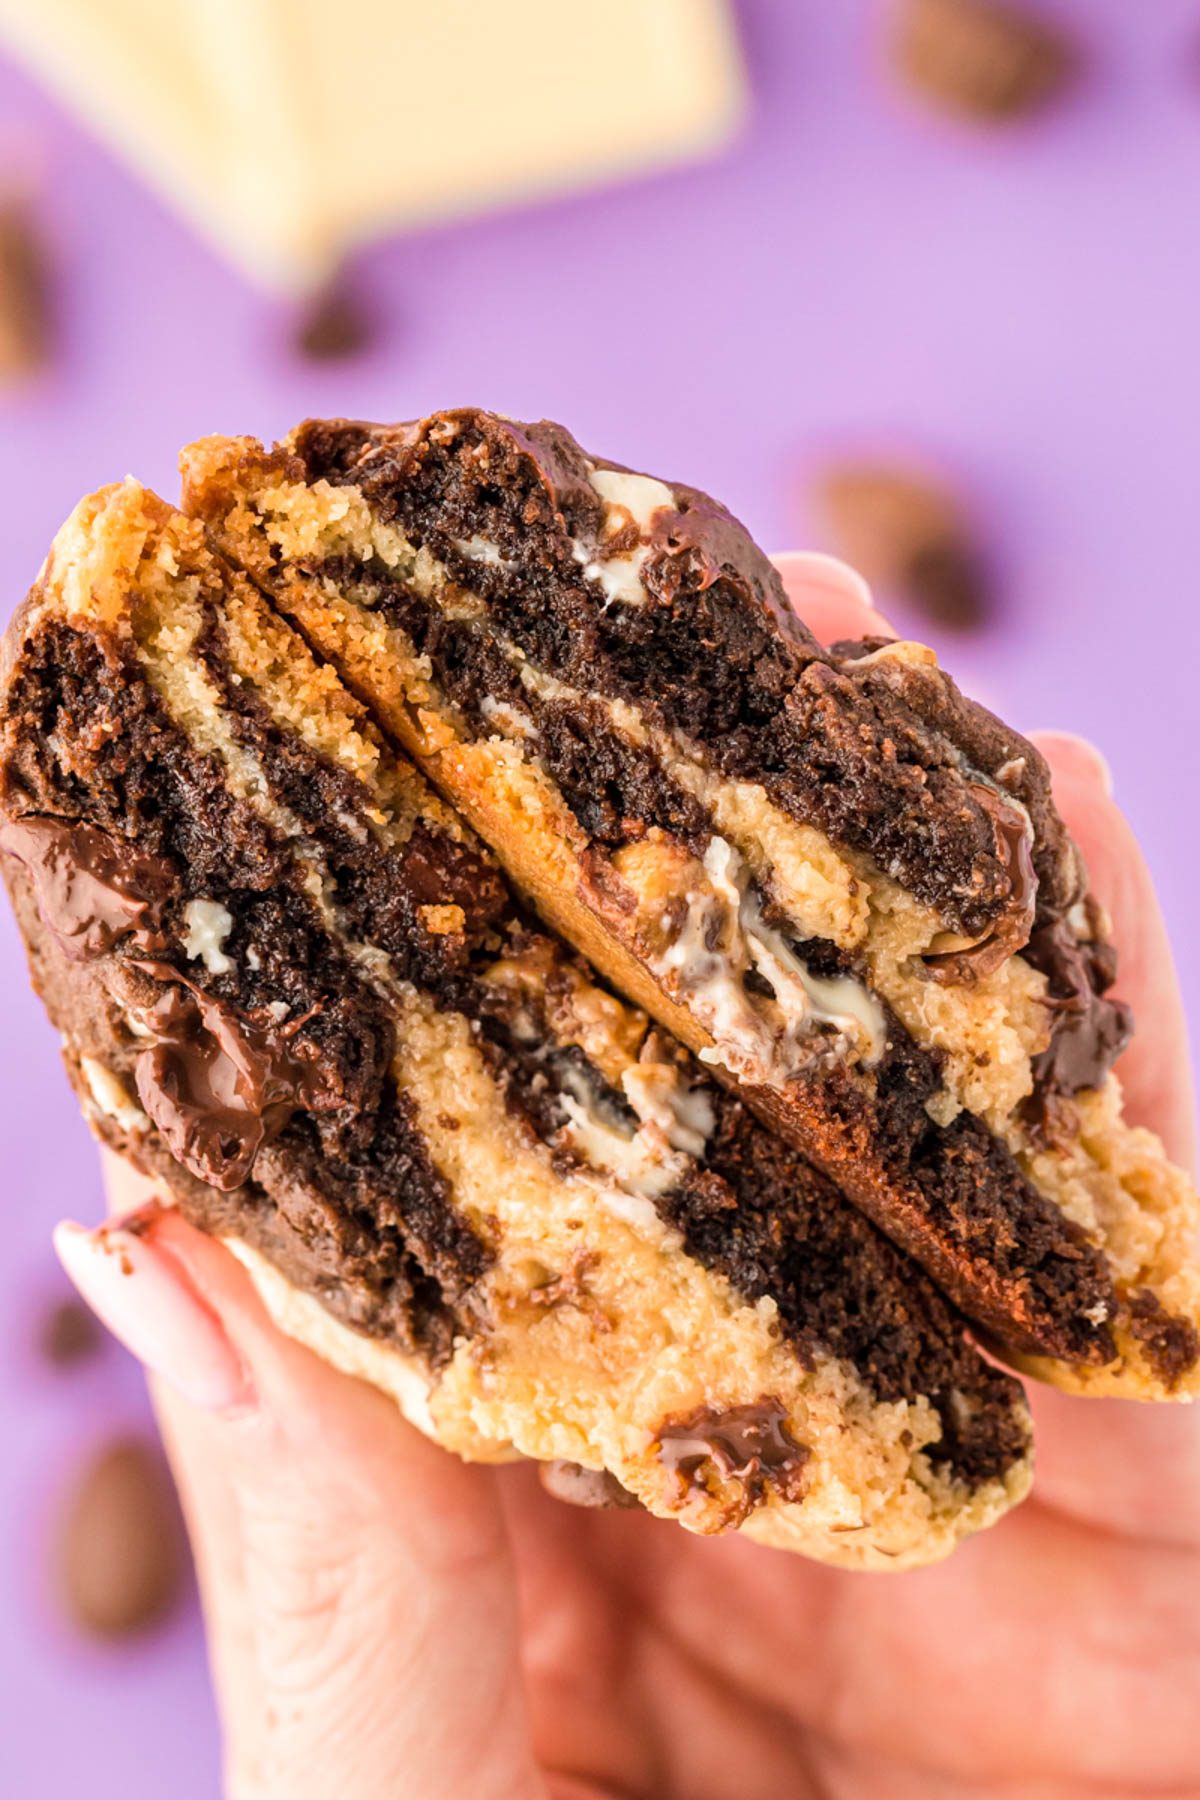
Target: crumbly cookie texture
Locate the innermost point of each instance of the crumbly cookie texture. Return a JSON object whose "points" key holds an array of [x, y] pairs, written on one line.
{"points": [[840, 882], [292, 986]]}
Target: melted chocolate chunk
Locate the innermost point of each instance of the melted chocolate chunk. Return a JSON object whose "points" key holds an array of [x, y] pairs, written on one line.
{"points": [[219, 1084], [1088, 1032], [92, 889], [747, 1444]]}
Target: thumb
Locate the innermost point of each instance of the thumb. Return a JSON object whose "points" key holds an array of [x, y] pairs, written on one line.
{"points": [[357, 1581]]}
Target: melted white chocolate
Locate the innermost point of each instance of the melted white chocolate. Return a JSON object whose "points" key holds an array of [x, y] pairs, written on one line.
{"points": [[629, 499], [658, 1097], [723, 936], [111, 1096], [642, 1162]]}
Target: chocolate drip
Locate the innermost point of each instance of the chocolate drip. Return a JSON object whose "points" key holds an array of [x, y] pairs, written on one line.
{"points": [[92, 888], [219, 1083], [747, 1444], [1089, 1032], [577, 1486]]}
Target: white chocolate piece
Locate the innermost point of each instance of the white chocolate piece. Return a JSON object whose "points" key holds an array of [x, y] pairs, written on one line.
{"points": [[111, 1096], [630, 500], [291, 130], [208, 925]]}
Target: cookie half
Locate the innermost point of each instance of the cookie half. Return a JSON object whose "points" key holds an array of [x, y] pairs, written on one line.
{"points": [[292, 986], [844, 885]]}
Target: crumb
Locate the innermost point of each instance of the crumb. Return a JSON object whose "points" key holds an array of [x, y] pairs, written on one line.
{"points": [[571, 1286], [442, 921]]}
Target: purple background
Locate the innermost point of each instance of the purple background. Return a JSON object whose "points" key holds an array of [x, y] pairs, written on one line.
{"points": [[1022, 305]]}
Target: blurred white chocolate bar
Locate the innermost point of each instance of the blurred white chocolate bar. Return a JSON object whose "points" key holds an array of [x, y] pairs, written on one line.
{"points": [[290, 130]]}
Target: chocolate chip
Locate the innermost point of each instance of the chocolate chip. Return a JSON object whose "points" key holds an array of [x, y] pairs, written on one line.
{"points": [[26, 311], [945, 580], [121, 1562], [336, 326], [907, 533], [68, 1333], [751, 1446], [982, 60]]}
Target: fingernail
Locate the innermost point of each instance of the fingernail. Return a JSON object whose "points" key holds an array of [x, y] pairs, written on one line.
{"points": [[819, 570], [145, 1300], [827, 571], [1086, 750]]}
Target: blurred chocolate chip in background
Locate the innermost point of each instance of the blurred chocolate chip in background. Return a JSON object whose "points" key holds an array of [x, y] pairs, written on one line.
{"points": [[982, 59], [26, 291], [906, 532], [68, 1333], [121, 1560], [334, 324]]}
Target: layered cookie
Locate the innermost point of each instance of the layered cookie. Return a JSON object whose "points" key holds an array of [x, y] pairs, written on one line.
{"points": [[844, 885], [294, 988]]}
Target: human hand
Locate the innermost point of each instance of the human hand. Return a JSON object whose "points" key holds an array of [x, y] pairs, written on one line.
{"points": [[385, 1620]]}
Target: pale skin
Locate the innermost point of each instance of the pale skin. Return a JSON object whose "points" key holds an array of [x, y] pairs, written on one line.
{"points": [[387, 1621]]}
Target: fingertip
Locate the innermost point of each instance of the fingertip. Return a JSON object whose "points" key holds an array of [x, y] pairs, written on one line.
{"points": [[818, 571], [830, 597], [145, 1301], [314, 1389], [1076, 759]]}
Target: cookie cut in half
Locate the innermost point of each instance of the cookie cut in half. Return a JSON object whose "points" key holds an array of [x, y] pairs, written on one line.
{"points": [[840, 882], [292, 986]]}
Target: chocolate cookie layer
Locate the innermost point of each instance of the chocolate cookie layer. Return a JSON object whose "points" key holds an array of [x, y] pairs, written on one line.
{"points": [[837, 879], [292, 986]]}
